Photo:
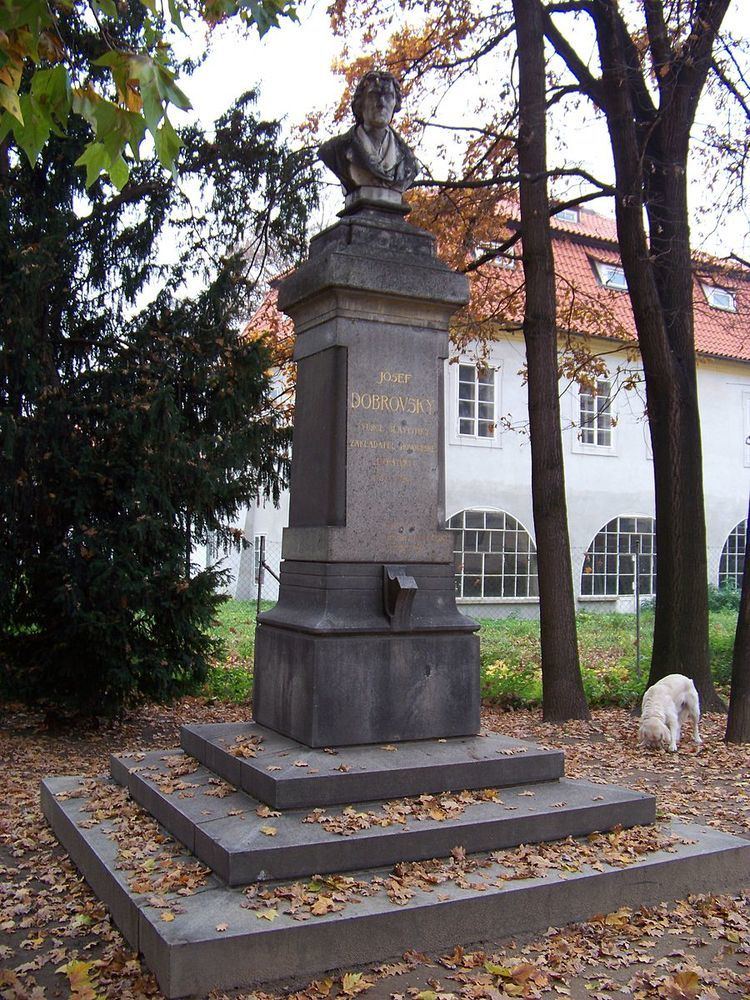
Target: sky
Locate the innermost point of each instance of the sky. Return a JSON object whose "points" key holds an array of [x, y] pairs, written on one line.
{"points": [[293, 67]]}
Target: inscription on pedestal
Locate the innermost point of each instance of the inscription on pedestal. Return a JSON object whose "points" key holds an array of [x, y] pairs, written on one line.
{"points": [[393, 441]]}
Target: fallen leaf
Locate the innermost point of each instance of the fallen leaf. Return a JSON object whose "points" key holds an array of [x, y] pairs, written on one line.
{"points": [[269, 831]]}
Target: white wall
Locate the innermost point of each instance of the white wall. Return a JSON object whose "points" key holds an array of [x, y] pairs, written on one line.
{"points": [[600, 484]]}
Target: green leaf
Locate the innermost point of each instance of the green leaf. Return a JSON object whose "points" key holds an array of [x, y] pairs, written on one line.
{"points": [[169, 89], [143, 70], [176, 14], [116, 128], [168, 145], [107, 7], [9, 101], [7, 124], [95, 159], [50, 89], [119, 172], [265, 14], [34, 132]]}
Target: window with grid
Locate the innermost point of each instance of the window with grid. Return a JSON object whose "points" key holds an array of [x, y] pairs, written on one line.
{"points": [[494, 555], [476, 401], [624, 545], [595, 414], [732, 562]]}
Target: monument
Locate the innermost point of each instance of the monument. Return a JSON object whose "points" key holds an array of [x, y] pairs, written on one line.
{"points": [[365, 652], [366, 643]]}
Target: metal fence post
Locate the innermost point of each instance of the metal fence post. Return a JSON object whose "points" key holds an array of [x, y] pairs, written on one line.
{"points": [[259, 573]]}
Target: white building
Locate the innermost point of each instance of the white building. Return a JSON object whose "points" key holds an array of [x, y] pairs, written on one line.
{"points": [[608, 465]]}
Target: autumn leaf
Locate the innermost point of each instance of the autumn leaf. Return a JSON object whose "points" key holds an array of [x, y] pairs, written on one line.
{"points": [[269, 831], [167, 916], [266, 811], [353, 983], [498, 970], [79, 977], [683, 985], [322, 905], [268, 914], [222, 927]]}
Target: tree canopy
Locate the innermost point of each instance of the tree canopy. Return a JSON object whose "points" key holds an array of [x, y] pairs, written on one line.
{"points": [[641, 68], [135, 419], [50, 54]]}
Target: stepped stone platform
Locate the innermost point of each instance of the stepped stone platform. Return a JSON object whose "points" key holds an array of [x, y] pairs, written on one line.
{"points": [[227, 833], [486, 793], [289, 775]]}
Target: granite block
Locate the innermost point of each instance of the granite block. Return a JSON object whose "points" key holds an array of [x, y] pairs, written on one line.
{"points": [[287, 774], [217, 942]]}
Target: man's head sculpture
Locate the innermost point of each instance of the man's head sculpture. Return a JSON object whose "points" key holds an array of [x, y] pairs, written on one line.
{"points": [[374, 78], [371, 155]]}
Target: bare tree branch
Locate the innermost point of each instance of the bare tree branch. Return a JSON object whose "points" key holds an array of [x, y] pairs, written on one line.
{"points": [[731, 87]]}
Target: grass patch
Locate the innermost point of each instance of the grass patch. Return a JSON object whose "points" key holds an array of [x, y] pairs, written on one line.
{"points": [[510, 658], [231, 677], [510, 655]]}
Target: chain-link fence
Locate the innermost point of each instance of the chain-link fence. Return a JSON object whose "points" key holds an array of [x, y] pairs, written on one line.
{"points": [[259, 571]]}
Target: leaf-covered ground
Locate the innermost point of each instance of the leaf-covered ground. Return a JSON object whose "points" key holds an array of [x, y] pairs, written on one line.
{"points": [[56, 939]]}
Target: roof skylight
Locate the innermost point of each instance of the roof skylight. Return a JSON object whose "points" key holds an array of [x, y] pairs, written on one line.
{"points": [[611, 276]]}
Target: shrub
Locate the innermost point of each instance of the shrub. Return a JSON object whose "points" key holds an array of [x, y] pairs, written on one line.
{"points": [[723, 599]]}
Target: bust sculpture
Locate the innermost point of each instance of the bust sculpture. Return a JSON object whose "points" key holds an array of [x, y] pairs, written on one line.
{"points": [[371, 154]]}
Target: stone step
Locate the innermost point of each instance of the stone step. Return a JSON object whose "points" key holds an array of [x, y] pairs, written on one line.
{"points": [[220, 938], [286, 774], [221, 826]]}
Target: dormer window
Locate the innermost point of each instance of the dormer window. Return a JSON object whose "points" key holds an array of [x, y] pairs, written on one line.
{"points": [[720, 298], [505, 258], [568, 215], [611, 276]]}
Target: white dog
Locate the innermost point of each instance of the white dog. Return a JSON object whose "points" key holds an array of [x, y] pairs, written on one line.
{"points": [[666, 706]]}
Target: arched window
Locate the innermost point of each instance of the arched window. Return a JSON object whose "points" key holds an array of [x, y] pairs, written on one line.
{"points": [[609, 565], [732, 560], [494, 555]]}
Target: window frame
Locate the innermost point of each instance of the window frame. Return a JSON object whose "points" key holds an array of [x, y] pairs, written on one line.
{"points": [[605, 280], [612, 556], [581, 422], [710, 291], [737, 556], [474, 440], [492, 547], [505, 260], [568, 215]]}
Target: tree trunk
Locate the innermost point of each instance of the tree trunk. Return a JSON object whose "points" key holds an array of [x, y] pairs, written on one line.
{"points": [[563, 696], [738, 723], [650, 150]]}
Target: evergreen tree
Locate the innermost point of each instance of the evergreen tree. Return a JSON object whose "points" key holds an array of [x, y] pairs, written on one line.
{"points": [[128, 432]]}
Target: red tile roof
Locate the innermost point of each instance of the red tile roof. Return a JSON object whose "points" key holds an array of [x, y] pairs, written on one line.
{"points": [[578, 246], [584, 304]]}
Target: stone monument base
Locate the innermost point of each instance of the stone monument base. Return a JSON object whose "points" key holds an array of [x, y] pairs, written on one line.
{"points": [[332, 670], [257, 912], [333, 690]]}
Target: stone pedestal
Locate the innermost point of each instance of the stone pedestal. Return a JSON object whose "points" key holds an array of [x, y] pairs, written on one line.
{"points": [[366, 643]]}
